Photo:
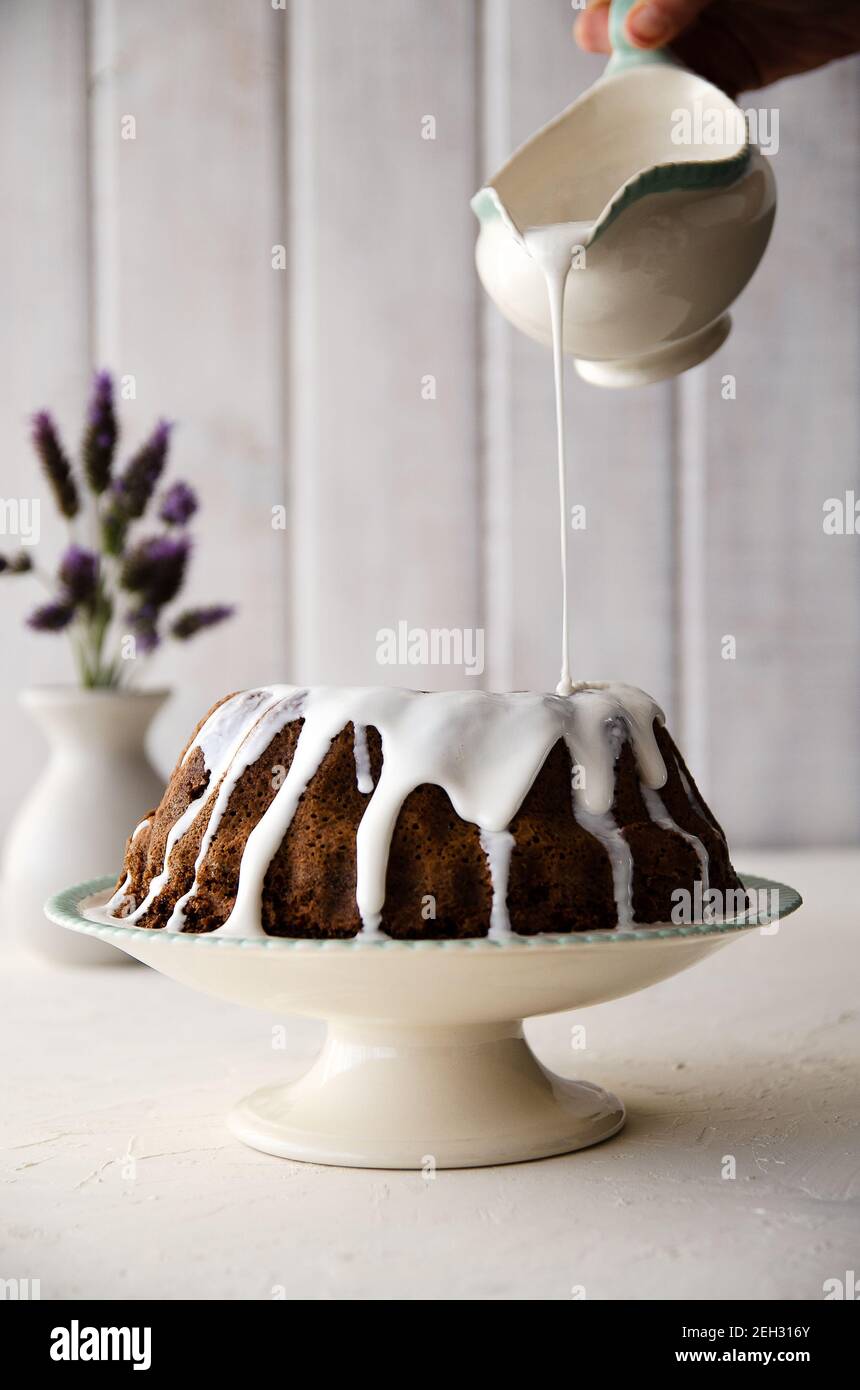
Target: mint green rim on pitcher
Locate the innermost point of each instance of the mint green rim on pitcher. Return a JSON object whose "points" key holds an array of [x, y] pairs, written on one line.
{"points": [[624, 53]]}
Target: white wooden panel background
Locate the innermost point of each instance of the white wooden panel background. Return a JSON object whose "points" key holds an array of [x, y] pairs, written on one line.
{"points": [[258, 127]]}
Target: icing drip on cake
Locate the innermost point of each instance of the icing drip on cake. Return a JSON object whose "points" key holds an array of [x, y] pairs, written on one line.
{"points": [[604, 829], [660, 816], [363, 775], [270, 723], [219, 742], [120, 892], [485, 751], [498, 846]]}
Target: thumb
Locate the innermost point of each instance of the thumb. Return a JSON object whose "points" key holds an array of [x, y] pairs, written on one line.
{"points": [[591, 29], [654, 23]]}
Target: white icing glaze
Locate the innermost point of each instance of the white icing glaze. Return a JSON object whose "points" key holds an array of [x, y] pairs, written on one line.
{"points": [[219, 741], [363, 774], [119, 896], [484, 750], [603, 828], [252, 747], [660, 816], [552, 248], [498, 846]]}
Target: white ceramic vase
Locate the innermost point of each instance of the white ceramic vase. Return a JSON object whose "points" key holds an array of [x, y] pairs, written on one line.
{"points": [[76, 818]]}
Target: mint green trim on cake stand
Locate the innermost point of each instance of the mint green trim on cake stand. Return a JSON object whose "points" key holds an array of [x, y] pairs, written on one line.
{"points": [[624, 53], [69, 908]]}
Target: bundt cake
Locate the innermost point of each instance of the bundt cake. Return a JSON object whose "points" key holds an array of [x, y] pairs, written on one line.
{"points": [[328, 812]]}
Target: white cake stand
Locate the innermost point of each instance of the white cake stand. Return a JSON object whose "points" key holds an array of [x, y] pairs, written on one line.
{"points": [[425, 1063]]}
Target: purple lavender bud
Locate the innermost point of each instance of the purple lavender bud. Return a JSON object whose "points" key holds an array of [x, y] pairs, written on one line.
{"points": [[55, 464], [51, 617], [79, 574], [143, 623], [155, 569], [100, 434], [134, 487], [195, 620], [178, 505]]}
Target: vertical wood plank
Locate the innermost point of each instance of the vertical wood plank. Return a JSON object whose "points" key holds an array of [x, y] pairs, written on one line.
{"points": [[188, 303], [619, 444], [384, 482], [783, 718], [44, 344]]}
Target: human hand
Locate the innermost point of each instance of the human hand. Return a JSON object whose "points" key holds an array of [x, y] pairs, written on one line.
{"points": [[737, 44]]}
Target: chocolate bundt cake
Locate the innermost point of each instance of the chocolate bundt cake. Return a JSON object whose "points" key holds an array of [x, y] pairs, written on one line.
{"points": [[330, 812]]}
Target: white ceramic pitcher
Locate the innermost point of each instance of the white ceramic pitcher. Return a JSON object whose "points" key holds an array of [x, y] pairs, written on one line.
{"points": [[677, 205]]}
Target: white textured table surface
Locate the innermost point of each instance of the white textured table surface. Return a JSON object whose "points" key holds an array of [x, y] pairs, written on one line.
{"points": [[119, 1178]]}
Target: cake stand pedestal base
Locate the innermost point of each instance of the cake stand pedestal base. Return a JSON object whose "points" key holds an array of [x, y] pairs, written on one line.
{"points": [[426, 1098]]}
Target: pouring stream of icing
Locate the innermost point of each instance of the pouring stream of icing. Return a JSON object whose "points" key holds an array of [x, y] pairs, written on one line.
{"points": [[552, 248]]}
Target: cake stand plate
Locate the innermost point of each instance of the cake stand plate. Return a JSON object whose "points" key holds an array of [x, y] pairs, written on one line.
{"points": [[425, 1065]]}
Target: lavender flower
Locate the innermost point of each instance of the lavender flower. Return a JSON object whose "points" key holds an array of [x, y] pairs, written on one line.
{"points": [[18, 564], [130, 493], [100, 434], [143, 623], [134, 487], [51, 617], [178, 505], [155, 569], [195, 620], [56, 466], [147, 574], [79, 575]]}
